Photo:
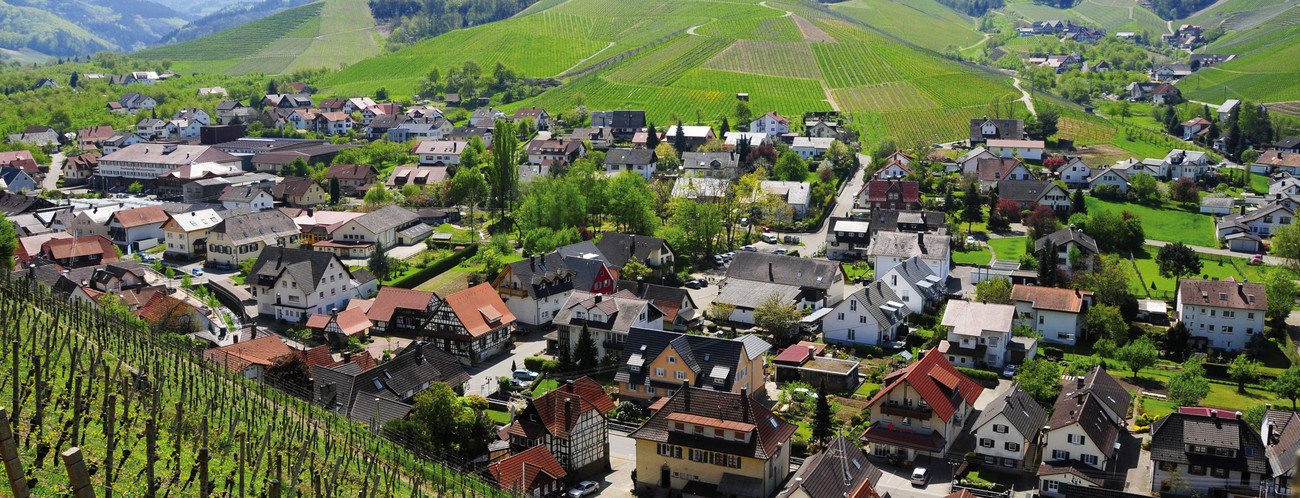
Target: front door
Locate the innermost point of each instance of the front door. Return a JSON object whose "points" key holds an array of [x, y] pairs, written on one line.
{"points": [[665, 477]]}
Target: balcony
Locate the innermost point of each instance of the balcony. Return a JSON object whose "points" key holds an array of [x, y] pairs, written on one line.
{"points": [[914, 411], [612, 344]]}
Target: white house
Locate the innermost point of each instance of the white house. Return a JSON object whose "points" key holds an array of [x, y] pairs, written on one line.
{"points": [[847, 236], [1008, 430], [895, 170], [1030, 192], [892, 248], [1221, 314], [1217, 206], [1081, 439], [1027, 149], [872, 316], [916, 285], [1058, 315], [535, 289], [1109, 176], [291, 284], [733, 138], [811, 147], [440, 152], [1189, 163], [252, 198], [142, 225], [969, 161], [1075, 172], [376, 227], [609, 318], [14, 179], [770, 124], [1263, 221], [640, 161], [979, 334], [1066, 239], [795, 195]]}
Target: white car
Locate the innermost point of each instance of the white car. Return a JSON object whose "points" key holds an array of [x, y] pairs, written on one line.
{"points": [[970, 240], [920, 476], [584, 488]]}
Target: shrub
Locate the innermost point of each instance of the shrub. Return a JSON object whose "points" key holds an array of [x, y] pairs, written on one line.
{"points": [[978, 375], [535, 364], [1054, 353], [868, 351]]}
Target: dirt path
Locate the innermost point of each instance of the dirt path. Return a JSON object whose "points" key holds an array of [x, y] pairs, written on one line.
{"points": [[583, 61], [1029, 102], [787, 13], [691, 30], [830, 97], [978, 43]]}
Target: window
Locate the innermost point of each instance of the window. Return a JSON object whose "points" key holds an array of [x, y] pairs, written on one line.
{"points": [[740, 436], [719, 432], [672, 359], [852, 334], [1090, 459], [1051, 485], [907, 421], [986, 443], [633, 387], [659, 372], [679, 375], [1000, 429], [1060, 455], [862, 319], [1011, 446], [853, 305], [1196, 470], [841, 316], [1008, 462], [1220, 473], [1071, 438], [1245, 478]]}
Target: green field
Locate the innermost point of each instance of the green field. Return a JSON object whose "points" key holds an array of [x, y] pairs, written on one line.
{"points": [[978, 255], [1010, 248], [926, 23], [1168, 225], [1211, 266]]}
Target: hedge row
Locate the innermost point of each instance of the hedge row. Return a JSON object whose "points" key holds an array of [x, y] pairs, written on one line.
{"points": [[435, 269], [978, 375], [541, 364]]}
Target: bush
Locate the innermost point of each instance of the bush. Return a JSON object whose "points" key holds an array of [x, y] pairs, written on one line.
{"points": [[1053, 353], [978, 375], [535, 364], [868, 351], [422, 276]]}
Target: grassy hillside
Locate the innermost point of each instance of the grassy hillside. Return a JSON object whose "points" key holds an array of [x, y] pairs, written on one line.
{"points": [[41, 31], [693, 56], [1265, 67], [926, 23], [328, 34], [1113, 15]]}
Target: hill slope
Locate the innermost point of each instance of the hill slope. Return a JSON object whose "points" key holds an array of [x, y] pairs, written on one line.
{"points": [[1265, 67], [687, 59], [327, 33], [80, 27]]}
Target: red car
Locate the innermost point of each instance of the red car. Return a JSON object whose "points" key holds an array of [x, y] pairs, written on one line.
{"points": [[766, 229]]}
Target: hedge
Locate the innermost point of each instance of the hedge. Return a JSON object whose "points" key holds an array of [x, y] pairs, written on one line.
{"points": [[978, 375], [540, 364], [435, 269]]}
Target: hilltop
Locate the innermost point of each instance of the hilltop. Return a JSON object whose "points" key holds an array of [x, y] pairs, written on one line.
{"points": [[324, 34]]}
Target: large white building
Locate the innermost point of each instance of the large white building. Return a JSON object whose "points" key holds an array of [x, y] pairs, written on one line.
{"points": [[290, 284], [144, 162], [1224, 314], [889, 249]]}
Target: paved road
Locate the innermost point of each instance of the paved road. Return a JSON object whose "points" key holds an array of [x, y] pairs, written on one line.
{"points": [[483, 378], [844, 205], [51, 181]]}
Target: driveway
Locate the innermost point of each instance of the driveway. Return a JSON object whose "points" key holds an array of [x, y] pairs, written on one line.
{"points": [[622, 459], [844, 202], [483, 378], [897, 480], [51, 181]]}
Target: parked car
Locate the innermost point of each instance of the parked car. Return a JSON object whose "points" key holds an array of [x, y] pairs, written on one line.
{"points": [[147, 258], [584, 488], [726, 256], [766, 228], [749, 248], [920, 476], [693, 284], [970, 240], [1009, 371], [779, 251], [1257, 260], [525, 374], [769, 238], [719, 260], [198, 272]]}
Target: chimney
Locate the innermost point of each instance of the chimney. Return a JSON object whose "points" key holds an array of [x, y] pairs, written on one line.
{"points": [[1081, 383], [686, 396], [568, 410], [770, 276], [598, 298], [744, 404], [1241, 287], [920, 241]]}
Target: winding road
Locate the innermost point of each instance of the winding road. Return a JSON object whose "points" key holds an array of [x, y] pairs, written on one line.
{"points": [[1029, 102]]}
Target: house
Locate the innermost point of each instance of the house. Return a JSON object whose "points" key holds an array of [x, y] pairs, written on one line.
{"points": [[376, 227], [847, 238], [353, 178], [472, 325], [641, 161], [16, 180], [79, 251], [334, 123], [770, 124], [370, 112], [1217, 206], [979, 334], [1066, 240], [186, 234], [93, 221], [541, 120], [400, 312], [1221, 314], [378, 394], [1288, 144], [1007, 431], [570, 422], [608, 318], [485, 117], [1195, 128], [725, 165], [548, 152], [21, 159], [694, 136], [1280, 433], [600, 138], [701, 189], [894, 170], [841, 470], [1166, 73], [1263, 221], [889, 194], [292, 284], [821, 128], [119, 141], [93, 137], [817, 283], [533, 472], [14, 204], [298, 191], [1075, 173], [892, 248], [288, 101], [811, 147], [1166, 92], [810, 363], [591, 275], [155, 129], [415, 175], [77, 170], [35, 135], [679, 309], [535, 289], [712, 443], [654, 363], [137, 228], [968, 163], [1203, 451], [439, 152], [744, 297], [916, 285], [619, 248], [1031, 150], [794, 194], [1059, 316], [984, 129], [1110, 176], [1187, 163], [1277, 159], [893, 220], [29, 246], [251, 198], [210, 91], [133, 102], [623, 124], [1028, 193], [871, 316], [245, 236], [921, 410], [251, 359], [1082, 436], [992, 171]]}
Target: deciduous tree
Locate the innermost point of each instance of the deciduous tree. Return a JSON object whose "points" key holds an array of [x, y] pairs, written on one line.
{"points": [[8, 243], [1189, 386], [1138, 354], [1184, 191], [777, 317], [1041, 379], [1178, 260], [1287, 385], [1243, 370], [994, 290], [1108, 326]]}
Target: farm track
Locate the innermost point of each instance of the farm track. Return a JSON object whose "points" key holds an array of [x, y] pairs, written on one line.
{"points": [[1029, 102], [581, 62]]}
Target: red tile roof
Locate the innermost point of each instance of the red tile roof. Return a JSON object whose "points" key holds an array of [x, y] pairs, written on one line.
{"points": [[583, 395], [318, 321], [319, 355], [352, 321], [263, 351], [798, 353], [1051, 298], [934, 378], [81, 246], [877, 190], [991, 169], [390, 299], [534, 468], [479, 309], [148, 215]]}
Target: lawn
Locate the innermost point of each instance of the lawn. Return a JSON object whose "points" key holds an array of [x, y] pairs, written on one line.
{"points": [[855, 270], [867, 388], [980, 255], [1165, 223], [1011, 248], [1259, 183], [499, 416], [544, 386], [1211, 266], [1159, 407]]}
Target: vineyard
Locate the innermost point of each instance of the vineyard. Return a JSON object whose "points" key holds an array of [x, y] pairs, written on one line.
{"points": [[662, 66], [149, 417], [794, 60], [926, 23], [754, 24], [853, 64], [241, 41], [883, 97]]}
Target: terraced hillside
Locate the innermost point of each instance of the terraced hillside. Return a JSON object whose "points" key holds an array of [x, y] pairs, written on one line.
{"points": [[1113, 15], [681, 59], [328, 34], [927, 23], [1266, 65]]}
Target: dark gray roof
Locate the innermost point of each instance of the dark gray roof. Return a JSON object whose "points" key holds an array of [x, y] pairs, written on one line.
{"points": [[630, 156], [11, 203], [1025, 190], [241, 194], [701, 353], [873, 297], [304, 265], [1068, 234], [582, 250], [834, 472], [912, 271], [1287, 143], [806, 273], [585, 271], [387, 218], [1007, 129], [1282, 428], [618, 248], [1020, 409], [546, 269], [1171, 435], [263, 225], [351, 391], [656, 293]]}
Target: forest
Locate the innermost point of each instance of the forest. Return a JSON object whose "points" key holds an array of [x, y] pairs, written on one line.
{"points": [[415, 20], [1176, 9]]}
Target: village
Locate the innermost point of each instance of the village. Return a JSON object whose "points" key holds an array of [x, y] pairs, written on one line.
{"points": [[753, 312]]}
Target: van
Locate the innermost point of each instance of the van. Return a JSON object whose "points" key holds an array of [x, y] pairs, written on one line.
{"points": [[769, 238]]}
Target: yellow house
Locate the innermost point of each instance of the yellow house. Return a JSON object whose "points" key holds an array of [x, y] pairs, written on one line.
{"points": [[186, 234], [655, 363], [298, 191], [706, 443]]}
